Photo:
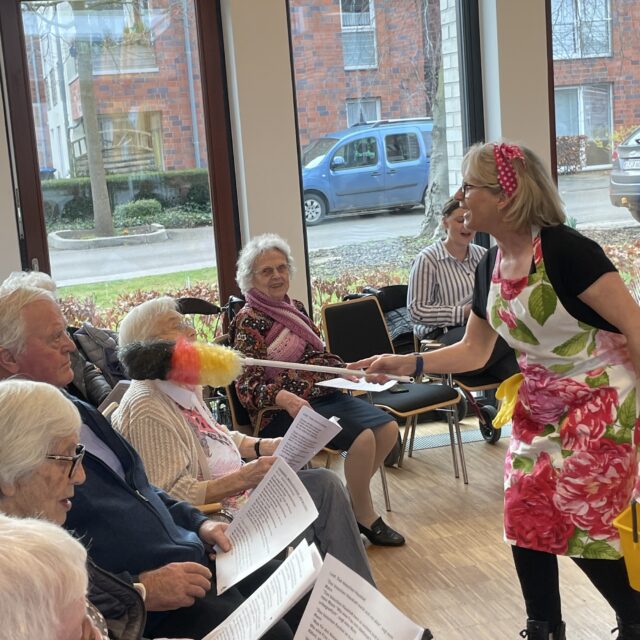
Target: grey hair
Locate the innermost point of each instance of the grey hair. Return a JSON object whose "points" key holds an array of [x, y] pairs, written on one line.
{"points": [[42, 573], [35, 279], [252, 250], [143, 321], [12, 302], [32, 416]]}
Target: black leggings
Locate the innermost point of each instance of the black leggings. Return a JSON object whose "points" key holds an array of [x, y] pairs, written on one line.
{"points": [[538, 574]]}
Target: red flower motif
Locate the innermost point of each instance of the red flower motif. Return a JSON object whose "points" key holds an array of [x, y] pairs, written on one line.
{"points": [[525, 428], [507, 316], [510, 289], [586, 423], [613, 347], [636, 433], [531, 518], [547, 395], [595, 486]]}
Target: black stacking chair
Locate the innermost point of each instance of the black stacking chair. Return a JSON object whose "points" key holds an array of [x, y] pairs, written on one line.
{"points": [[355, 329]]}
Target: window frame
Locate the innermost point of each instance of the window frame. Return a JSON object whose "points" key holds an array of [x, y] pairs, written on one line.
{"points": [[366, 29], [376, 100], [217, 120], [578, 29]]}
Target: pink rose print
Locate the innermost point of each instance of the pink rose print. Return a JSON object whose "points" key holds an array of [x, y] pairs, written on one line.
{"points": [[525, 428], [587, 422], [510, 289], [547, 395], [507, 316], [613, 347], [636, 433], [530, 516], [595, 486]]}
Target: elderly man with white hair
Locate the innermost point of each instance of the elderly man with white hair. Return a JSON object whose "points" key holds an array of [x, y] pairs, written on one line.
{"points": [[130, 527], [43, 582], [193, 457]]}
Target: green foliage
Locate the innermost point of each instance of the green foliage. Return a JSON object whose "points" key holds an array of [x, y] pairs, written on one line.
{"points": [[572, 222], [137, 212], [186, 216]]}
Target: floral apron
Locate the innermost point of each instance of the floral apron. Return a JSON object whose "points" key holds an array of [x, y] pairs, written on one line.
{"points": [[571, 464]]}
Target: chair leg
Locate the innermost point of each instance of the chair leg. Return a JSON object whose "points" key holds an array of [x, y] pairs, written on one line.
{"points": [[385, 487], [414, 422], [452, 439], [407, 426], [456, 424]]}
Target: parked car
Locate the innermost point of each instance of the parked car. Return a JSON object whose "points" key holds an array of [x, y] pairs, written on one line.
{"points": [[369, 166], [624, 180]]}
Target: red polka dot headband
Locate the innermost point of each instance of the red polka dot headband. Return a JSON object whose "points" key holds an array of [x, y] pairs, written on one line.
{"points": [[504, 154]]}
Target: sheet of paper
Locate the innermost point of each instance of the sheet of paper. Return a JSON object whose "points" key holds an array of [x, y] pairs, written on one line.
{"points": [[308, 433], [360, 385], [344, 606], [274, 598], [278, 510]]}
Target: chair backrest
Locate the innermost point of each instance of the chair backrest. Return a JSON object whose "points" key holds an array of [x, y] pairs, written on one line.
{"points": [[393, 302], [356, 329]]}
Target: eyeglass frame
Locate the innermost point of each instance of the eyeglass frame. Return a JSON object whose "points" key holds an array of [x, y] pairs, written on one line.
{"points": [[465, 186], [75, 460], [268, 272]]}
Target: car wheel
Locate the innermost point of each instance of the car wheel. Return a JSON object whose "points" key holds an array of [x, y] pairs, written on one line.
{"points": [[635, 212], [315, 208], [488, 431]]}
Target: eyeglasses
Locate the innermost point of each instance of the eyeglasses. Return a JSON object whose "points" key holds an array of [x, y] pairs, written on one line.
{"points": [[75, 460], [267, 272], [466, 186]]}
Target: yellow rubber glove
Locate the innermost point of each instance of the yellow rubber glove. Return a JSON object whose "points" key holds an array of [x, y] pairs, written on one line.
{"points": [[507, 393]]}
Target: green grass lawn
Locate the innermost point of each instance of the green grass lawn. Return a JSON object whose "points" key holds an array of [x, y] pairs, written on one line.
{"points": [[104, 293]]}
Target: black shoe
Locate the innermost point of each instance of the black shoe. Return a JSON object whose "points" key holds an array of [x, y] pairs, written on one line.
{"points": [[382, 534]]}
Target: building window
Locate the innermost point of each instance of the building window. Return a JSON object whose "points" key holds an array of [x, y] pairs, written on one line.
{"points": [[581, 28], [586, 110], [362, 110], [359, 49]]}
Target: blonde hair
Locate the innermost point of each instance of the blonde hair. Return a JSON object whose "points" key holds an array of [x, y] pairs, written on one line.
{"points": [[42, 573], [535, 202]]}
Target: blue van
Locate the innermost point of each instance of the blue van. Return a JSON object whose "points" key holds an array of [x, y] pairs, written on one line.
{"points": [[373, 165]]}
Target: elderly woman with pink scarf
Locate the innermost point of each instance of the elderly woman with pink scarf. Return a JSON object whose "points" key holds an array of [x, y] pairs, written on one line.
{"points": [[273, 326]]}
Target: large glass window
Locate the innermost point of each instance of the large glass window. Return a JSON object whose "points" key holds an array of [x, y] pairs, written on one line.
{"points": [[122, 152], [380, 129], [597, 102], [581, 28]]}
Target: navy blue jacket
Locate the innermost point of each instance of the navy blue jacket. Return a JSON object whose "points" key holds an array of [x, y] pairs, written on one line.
{"points": [[129, 526]]}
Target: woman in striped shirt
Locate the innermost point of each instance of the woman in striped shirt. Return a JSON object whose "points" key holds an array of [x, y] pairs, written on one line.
{"points": [[441, 288]]}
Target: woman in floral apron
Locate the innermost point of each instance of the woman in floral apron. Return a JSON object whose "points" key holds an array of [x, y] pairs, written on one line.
{"points": [[555, 297]]}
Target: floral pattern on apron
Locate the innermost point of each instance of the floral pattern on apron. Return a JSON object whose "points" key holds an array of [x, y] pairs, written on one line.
{"points": [[571, 464]]}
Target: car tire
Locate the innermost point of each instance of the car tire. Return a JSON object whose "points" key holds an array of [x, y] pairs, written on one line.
{"points": [[315, 208], [635, 212]]}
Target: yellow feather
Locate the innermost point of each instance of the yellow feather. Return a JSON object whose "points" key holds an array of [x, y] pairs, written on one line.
{"points": [[219, 366]]}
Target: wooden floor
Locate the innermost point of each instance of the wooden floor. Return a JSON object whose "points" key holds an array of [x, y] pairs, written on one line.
{"points": [[455, 574]]}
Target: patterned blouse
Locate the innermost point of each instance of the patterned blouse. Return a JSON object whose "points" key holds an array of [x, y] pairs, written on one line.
{"points": [[248, 335]]}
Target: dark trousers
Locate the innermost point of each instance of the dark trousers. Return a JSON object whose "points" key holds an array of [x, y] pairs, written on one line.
{"points": [[207, 613], [538, 575]]}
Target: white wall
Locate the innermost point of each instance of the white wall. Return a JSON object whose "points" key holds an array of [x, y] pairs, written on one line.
{"points": [[265, 144], [515, 73]]}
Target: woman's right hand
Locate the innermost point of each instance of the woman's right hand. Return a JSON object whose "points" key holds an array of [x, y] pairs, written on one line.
{"points": [[377, 366], [254, 471], [290, 402]]}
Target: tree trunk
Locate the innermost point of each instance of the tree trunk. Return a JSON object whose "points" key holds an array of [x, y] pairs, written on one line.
{"points": [[102, 216], [438, 189]]}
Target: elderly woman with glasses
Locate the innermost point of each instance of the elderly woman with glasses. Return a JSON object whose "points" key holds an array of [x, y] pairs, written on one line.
{"points": [[556, 298], [196, 459], [273, 326], [40, 466]]}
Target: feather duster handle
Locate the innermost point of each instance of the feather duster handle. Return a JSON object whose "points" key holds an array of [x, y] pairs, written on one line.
{"points": [[187, 362]]}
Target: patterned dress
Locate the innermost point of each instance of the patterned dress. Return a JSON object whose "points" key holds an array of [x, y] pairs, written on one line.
{"points": [[571, 464]]}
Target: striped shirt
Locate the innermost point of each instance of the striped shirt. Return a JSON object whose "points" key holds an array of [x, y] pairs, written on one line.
{"points": [[440, 286]]}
